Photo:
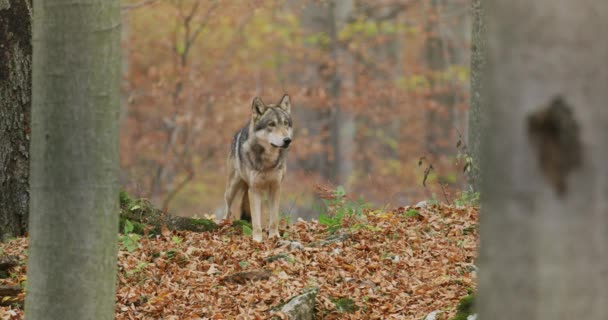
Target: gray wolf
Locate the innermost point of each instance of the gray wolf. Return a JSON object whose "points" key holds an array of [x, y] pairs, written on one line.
{"points": [[257, 166]]}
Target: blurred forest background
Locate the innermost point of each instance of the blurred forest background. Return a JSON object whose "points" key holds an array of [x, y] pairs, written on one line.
{"points": [[377, 86]]}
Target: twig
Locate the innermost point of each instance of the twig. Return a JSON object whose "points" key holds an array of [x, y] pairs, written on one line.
{"points": [[189, 38], [445, 194]]}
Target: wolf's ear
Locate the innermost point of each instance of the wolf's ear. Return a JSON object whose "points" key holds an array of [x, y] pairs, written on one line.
{"points": [[285, 103], [257, 106]]}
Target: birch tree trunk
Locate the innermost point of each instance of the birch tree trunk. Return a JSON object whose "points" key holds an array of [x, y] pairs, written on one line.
{"points": [[15, 104], [74, 160], [544, 220]]}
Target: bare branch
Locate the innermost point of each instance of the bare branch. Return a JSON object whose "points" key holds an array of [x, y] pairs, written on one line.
{"points": [[229, 53], [190, 39]]}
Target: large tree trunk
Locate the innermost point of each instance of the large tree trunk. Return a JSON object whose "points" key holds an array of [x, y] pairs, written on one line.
{"points": [[478, 61], [74, 160], [544, 225], [15, 93]]}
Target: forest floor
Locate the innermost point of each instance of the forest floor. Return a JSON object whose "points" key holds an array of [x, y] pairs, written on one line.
{"points": [[376, 264]]}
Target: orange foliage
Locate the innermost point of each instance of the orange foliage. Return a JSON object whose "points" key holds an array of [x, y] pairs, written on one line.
{"points": [[193, 67], [396, 266]]}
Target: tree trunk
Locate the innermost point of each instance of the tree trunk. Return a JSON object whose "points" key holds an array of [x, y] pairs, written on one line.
{"points": [[439, 57], [15, 103], [74, 160], [336, 162], [478, 61], [544, 225], [342, 123]]}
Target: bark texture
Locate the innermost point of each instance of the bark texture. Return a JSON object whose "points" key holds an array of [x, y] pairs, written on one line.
{"points": [[74, 160], [544, 221], [15, 104], [478, 62]]}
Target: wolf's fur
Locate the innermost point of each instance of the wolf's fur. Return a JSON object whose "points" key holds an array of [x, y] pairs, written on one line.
{"points": [[257, 164]]}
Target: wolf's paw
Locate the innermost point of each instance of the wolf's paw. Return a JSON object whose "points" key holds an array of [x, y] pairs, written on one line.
{"points": [[273, 233], [257, 236], [227, 215]]}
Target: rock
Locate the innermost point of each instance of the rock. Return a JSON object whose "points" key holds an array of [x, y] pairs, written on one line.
{"points": [[246, 276], [334, 238], [472, 317], [280, 256], [293, 245], [421, 204], [301, 307], [433, 315]]}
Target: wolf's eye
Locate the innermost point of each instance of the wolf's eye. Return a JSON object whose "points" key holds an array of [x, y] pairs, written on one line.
{"points": [[272, 124], [286, 123]]}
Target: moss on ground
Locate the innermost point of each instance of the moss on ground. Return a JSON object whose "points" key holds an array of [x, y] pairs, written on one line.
{"points": [[142, 214], [345, 305], [465, 308]]}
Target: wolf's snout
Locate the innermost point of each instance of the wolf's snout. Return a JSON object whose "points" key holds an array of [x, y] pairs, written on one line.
{"points": [[286, 142]]}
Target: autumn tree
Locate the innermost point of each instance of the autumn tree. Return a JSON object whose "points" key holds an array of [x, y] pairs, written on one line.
{"points": [[544, 227], [15, 103], [74, 160], [359, 73]]}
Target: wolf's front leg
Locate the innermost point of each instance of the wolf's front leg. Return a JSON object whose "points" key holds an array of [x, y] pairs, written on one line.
{"points": [[255, 202], [274, 194]]}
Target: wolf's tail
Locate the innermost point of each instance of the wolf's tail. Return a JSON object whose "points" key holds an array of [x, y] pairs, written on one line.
{"points": [[245, 208]]}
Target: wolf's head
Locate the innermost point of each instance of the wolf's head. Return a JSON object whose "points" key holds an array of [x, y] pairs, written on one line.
{"points": [[272, 123]]}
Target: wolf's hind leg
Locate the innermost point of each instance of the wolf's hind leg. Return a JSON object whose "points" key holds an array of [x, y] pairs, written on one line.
{"points": [[245, 207], [234, 186]]}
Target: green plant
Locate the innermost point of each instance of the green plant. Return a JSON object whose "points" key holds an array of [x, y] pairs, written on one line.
{"points": [[125, 200], [129, 240], [176, 240], [247, 230], [331, 222], [139, 268], [411, 213], [286, 217], [345, 305], [243, 225], [337, 207], [467, 198], [170, 254], [434, 200]]}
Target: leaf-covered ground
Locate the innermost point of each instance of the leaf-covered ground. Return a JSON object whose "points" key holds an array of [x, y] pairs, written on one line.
{"points": [[401, 264]]}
